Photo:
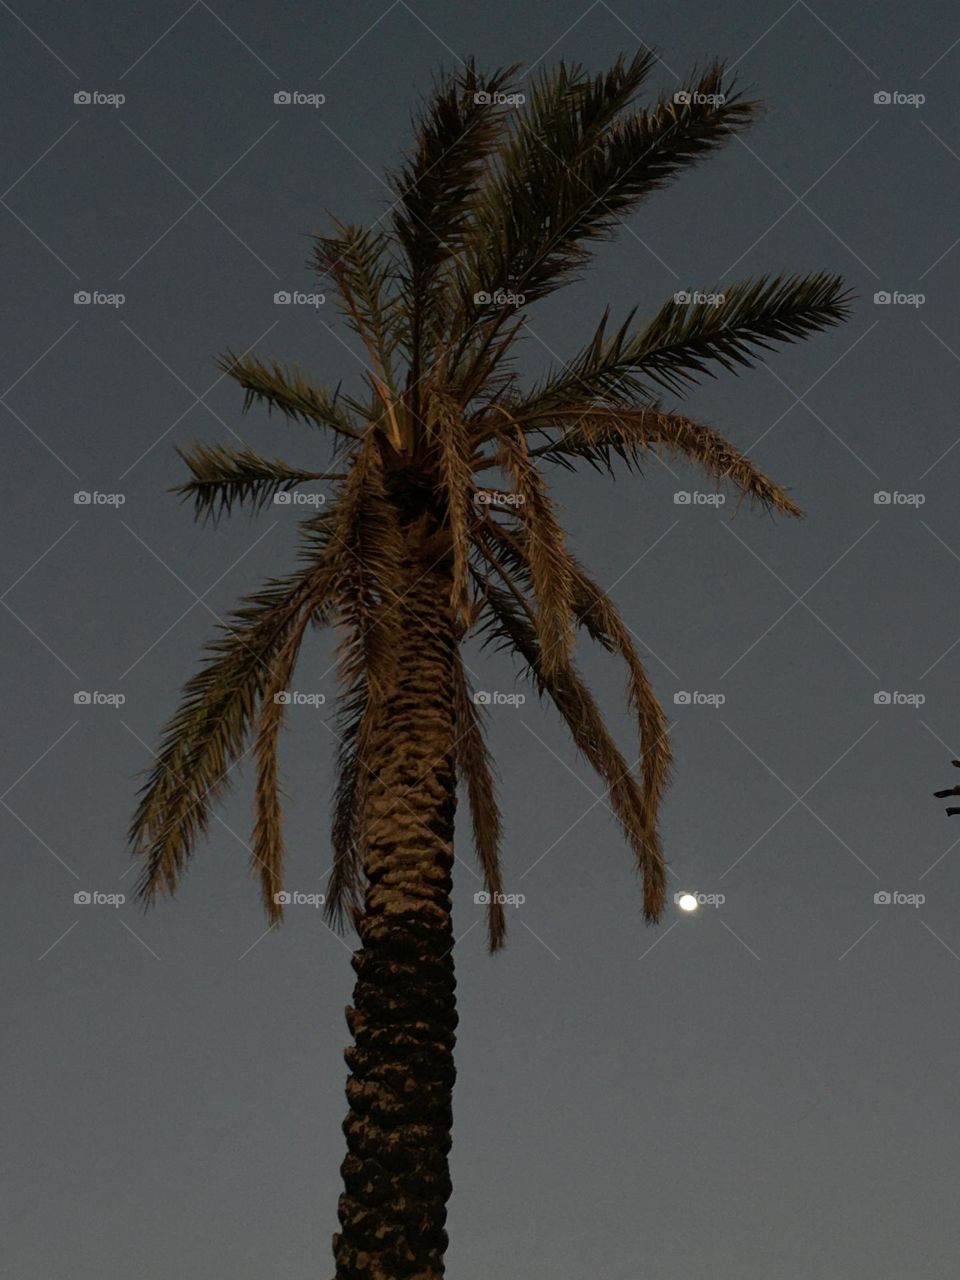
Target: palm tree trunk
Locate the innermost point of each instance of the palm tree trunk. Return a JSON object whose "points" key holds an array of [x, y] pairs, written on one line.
{"points": [[400, 1091]]}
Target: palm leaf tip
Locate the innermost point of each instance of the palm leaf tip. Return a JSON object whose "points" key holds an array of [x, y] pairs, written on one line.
{"points": [[225, 477]]}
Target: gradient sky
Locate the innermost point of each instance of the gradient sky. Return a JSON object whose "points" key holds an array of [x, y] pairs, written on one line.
{"points": [[766, 1088]]}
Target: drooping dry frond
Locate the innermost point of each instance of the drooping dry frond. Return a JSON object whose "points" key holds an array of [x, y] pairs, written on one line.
{"points": [[207, 735], [604, 622], [508, 623], [224, 476], [592, 434], [267, 853], [286, 389], [455, 476], [475, 769], [506, 550], [546, 551]]}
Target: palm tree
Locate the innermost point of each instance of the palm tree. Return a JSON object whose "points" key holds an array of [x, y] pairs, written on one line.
{"points": [[442, 525]]}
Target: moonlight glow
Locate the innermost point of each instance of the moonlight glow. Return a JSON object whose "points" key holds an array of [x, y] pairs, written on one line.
{"points": [[687, 902]]}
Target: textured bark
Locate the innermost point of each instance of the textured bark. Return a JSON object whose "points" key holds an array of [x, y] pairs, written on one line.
{"points": [[400, 1090]]}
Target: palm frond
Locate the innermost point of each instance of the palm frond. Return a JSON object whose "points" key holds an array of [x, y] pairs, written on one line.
{"points": [[286, 389], [267, 851], [596, 434], [455, 132], [510, 625], [547, 555], [358, 260], [677, 348], [456, 483], [475, 770], [580, 161], [224, 476], [507, 551], [208, 732]]}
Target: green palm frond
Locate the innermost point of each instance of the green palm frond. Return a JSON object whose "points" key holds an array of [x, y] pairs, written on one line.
{"points": [[286, 389], [224, 476], [727, 328], [683, 339], [475, 769], [595, 435], [456, 131], [359, 262], [579, 162]]}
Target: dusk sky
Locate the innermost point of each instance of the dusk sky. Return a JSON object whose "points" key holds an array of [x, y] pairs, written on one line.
{"points": [[764, 1088]]}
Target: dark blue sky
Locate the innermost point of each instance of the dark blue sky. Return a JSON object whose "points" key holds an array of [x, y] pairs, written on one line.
{"points": [[765, 1088]]}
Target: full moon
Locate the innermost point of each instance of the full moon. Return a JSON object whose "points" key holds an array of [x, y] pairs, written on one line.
{"points": [[687, 902]]}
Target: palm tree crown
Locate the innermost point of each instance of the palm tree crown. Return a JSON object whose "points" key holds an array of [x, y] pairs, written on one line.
{"points": [[497, 206]]}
